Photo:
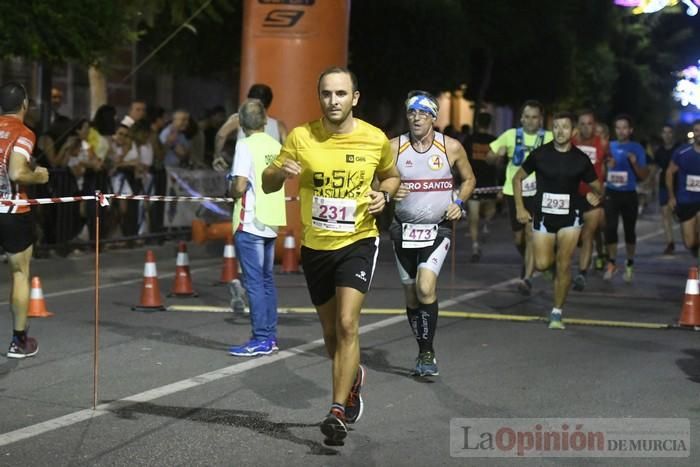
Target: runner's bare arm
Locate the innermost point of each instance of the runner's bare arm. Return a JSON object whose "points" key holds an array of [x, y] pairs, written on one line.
{"points": [[389, 182], [521, 213], [226, 130], [641, 172], [670, 183], [594, 196], [494, 157], [21, 172], [273, 177], [403, 190], [458, 160], [283, 131], [238, 186]]}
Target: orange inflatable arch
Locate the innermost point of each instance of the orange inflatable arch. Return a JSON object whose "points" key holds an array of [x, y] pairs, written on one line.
{"points": [[286, 45]]}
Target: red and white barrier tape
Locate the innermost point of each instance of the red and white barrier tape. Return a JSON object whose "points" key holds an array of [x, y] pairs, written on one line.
{"points": [[172, 198], [487, 189], [105, 198], [33, 202]]}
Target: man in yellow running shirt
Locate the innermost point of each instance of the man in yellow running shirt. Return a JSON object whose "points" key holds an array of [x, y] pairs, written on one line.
{"points": [[336, 159]]}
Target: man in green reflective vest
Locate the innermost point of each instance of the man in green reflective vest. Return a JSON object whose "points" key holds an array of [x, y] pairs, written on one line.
{"points": [[256, 218]]}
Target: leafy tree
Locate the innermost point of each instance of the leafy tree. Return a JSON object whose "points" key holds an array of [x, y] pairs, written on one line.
{"points": [[197, 48], [529, 49], [72, 30], [647, 50]]}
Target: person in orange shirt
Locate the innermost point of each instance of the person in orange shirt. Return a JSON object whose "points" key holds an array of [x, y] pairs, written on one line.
{"points": [[16, 224], [596, 148]]}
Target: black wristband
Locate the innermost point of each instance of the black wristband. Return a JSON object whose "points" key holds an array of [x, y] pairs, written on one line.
{"points": [[387, 197]]}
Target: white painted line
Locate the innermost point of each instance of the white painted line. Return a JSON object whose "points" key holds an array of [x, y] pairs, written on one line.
{"points": [[647, 236], [202, 308], [102, 409], [152, 394], [207, 268], [114, 284]]}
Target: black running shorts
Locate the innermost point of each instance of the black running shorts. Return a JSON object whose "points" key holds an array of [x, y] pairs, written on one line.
{"points": [[586, 206], [349, 266], [16, 232], [553, 223], [528, 201], [685, 212]]}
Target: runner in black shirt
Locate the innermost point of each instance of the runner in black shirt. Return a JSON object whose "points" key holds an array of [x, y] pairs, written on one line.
{"points": [[483, 204], [557, 217], [662, 157]]}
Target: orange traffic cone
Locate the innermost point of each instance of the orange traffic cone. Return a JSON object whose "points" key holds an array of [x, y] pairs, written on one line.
{"points": [[290, 263], [230, 270], [182, 287], [150, 290], [37, 305], [690, 313]]}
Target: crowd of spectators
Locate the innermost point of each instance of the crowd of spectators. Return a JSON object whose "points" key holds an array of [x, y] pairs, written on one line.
{"points": [[120, 154]]}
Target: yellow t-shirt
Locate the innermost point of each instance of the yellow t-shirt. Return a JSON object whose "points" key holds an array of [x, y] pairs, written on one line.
{"points": [[337, 174], [507, 139]]}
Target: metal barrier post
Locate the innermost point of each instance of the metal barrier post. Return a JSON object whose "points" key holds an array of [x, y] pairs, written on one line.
{"points": [[95, 365]]}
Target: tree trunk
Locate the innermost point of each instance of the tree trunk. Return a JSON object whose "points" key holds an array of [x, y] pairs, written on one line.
{"points": [[45, 95], [98, 88]]}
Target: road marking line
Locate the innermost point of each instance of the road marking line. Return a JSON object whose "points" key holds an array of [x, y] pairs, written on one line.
{"points": [[203, 308], [235, 369], [116, 284], [102, 409], [618, 324]]}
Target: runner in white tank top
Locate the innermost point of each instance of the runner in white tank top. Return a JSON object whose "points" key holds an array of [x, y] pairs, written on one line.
{"points": [[425, 207]]}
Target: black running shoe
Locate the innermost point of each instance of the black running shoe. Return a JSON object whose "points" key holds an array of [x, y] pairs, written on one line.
{"points": [[354, 406], [23, 347], [334, 427], [525, 287]]}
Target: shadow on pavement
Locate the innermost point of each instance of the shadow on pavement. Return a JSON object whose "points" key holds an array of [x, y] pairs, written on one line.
{"points": [[169, 336], [7, 367], [691, 365], [291, 391], [251, 420], [376, 359]]}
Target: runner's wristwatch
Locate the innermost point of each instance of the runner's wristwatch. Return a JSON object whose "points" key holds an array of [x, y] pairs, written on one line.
{"points": [[459, 203]]}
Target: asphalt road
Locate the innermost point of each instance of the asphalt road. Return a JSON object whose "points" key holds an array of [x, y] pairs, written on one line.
{"points": [[170, 395]]}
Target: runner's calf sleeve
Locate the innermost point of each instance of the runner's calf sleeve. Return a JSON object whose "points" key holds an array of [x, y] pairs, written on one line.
{"points": [[427, 324], [412, 315]]}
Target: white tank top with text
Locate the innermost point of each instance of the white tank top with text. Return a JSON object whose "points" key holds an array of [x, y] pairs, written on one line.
{"points": [[429, 178]]}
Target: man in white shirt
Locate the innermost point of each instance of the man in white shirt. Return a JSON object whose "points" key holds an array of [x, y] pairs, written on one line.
{"points": [[256, 217]]}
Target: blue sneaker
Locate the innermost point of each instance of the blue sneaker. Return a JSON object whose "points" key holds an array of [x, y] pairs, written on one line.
{"points": [[273, 344], [251, 349], [426, 365], [555, 321]]}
